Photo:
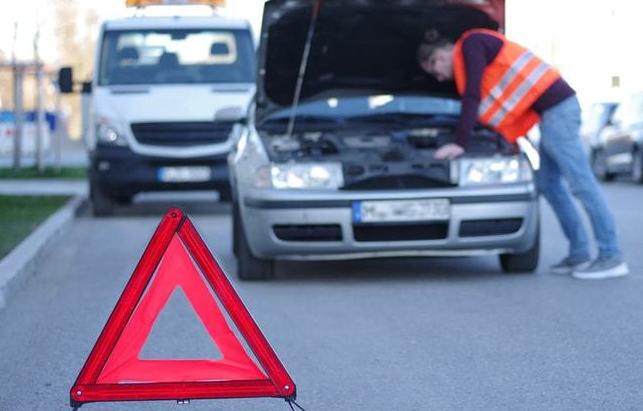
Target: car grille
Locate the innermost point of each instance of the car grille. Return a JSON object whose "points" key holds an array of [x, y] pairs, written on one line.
{"points": [[400, 232], [394, 183], [181, 134], [481, 228], [318, 232]]}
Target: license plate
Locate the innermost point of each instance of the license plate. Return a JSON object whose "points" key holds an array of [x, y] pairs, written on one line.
{"points": [[400, 211], [184, 174]]}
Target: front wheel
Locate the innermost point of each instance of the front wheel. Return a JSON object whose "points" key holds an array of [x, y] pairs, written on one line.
{"points": [[599, 165], [525, 262], [249, 267], [637, 166], [102, 203]]}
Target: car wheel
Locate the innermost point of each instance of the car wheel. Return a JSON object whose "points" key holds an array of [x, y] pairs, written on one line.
{"points": [[124, 199], [637, 166], [102, 203], [225, 195], [249, 267], [599, 165], [525, 262], [236, 224]]}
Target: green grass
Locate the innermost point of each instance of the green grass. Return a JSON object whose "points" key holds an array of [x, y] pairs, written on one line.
{"points": [[20, 215], [32, 172]]}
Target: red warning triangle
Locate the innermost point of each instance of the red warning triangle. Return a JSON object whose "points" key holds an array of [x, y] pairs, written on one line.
{"points": [[177, 258]]}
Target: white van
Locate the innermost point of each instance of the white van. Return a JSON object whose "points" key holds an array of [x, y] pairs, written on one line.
{"points": [[159, 85]]}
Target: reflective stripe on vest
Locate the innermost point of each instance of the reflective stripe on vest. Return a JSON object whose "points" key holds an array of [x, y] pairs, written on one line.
{"points": [[519, 93], [510, 76]]}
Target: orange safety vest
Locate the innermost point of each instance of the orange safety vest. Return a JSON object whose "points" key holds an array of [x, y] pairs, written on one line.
{"points": [[511, 84]]}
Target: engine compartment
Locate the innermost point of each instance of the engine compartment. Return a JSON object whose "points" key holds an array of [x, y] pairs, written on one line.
{"points": [[375, 156]]}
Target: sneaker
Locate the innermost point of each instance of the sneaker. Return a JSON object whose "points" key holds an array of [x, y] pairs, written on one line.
{"points": [[601, 268], [569, 264]]}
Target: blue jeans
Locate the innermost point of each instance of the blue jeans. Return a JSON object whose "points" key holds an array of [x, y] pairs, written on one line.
{"points": [[562, 156]]}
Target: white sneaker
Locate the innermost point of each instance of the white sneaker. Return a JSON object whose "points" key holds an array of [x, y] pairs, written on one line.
{"points": [[602, 268]]}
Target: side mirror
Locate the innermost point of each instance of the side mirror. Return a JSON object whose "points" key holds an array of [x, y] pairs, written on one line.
{"points": [[87, 87], [234, 114], [66, 80]]}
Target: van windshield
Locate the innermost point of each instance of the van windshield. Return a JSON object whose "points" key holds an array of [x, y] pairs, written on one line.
{"points": [[185, 56]]}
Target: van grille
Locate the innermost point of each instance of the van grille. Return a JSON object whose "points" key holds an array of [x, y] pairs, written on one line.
{"points": [[181, 134]]}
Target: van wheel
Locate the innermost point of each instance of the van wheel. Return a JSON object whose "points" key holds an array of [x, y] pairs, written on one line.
{"points": [[102, 203], [637, 166], [249, 267], [526, 262], [599, 165], [225, 195]]}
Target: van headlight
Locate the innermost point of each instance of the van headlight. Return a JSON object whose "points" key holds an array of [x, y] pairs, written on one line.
{"points": [[500, 170], [326, 176], [107, 134]]}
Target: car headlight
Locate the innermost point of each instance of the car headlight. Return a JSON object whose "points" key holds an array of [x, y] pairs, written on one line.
{"points": [[306, 176], [107, 134], [500, 170]]}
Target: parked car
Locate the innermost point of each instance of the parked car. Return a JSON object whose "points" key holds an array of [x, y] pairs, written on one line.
{"points": [[595, 118], [354, 175], [619, 145]]}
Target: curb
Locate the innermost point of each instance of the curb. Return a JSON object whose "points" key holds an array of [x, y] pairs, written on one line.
{"points": [[19, 264]]}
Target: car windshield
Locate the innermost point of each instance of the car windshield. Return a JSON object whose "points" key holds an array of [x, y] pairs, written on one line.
{"points": [[176, 57], [364, 106]]}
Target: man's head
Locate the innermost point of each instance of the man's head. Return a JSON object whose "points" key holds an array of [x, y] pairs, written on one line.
{"points": [[435, 56]]}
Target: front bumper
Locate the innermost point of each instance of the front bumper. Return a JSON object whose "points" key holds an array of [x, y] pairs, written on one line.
{"points": [[120, 171], [294, 225]]}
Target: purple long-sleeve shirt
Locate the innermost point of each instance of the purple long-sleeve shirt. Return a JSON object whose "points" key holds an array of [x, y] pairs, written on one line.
{"points": [[479, 50]]}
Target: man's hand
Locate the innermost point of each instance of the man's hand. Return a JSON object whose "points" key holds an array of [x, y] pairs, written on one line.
{"points": [[449, 151]]}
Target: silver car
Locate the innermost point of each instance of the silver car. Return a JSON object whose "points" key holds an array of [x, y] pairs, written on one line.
{"points": [[338, 163]]}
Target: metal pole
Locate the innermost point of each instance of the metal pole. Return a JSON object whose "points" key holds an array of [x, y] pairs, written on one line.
{"points": [[18, 114], [40, 113], [41, 120], [59, 129], [303, 65]]}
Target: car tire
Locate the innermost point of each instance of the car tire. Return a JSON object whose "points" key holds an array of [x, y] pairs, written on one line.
{"points": [[124, 199], [225, 195], [236, 223], [599, 165], [249, 267], [637, 166], [102, 203], [525, 262]]}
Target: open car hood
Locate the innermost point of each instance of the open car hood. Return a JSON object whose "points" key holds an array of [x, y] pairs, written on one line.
{"points": [[360, 47]]}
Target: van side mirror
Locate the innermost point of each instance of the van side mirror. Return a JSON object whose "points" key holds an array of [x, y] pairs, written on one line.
{"points": [[234, 114], [66, 80], [87, 87]]}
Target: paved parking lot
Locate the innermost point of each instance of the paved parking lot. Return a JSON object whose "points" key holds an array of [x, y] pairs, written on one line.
{"points": [[396, 334]]}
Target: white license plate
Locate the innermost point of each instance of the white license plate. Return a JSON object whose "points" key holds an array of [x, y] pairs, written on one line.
{"points": [[401, 211], [184, 174]]}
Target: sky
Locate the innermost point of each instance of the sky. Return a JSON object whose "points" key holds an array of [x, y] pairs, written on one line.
{"points": [[589, 41]]}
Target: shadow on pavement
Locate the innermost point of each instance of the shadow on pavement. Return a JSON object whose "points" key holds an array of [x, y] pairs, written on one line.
{"points": [[156, 205], [393, 269]]}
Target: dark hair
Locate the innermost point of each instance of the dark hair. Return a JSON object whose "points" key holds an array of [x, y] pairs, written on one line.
{"points": [[431, 42]]}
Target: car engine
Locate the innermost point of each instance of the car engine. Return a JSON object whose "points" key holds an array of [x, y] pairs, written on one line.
{"points": [[376, 158]]}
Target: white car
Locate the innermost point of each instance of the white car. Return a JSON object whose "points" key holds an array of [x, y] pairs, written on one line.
{"points": [[354, 176]]}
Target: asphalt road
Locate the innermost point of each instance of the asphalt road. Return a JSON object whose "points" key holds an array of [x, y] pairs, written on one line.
{"points": [[397, 334]]}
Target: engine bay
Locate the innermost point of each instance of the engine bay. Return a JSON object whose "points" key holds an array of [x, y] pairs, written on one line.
{"points": [[380, 157]]}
